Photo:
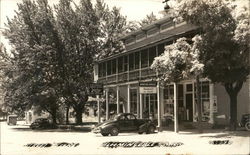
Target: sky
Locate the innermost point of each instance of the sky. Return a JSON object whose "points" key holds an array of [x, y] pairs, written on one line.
{"points": [[133, 9]]}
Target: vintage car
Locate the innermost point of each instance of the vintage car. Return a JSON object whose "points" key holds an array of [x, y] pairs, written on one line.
{"points": [[245, 121], [42, 123], [124, 122]]}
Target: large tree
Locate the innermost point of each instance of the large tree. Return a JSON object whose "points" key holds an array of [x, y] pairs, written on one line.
{"points": [[224, 44]]}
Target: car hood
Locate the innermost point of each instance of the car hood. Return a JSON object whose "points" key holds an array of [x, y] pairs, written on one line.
{"points": [[105, 123]]}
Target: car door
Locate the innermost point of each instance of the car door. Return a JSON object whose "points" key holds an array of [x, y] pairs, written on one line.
{"points": [[123, 123], [131, 122]]}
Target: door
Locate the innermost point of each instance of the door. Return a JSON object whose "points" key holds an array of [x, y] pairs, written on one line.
{"points": [[189, 107]]}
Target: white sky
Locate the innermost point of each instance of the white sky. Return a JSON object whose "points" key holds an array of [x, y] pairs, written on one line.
{"points": [[133, 9]]}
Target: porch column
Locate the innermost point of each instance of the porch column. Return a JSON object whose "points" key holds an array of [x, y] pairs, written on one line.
{"points": [[211, 101], [118, 99], [107, 104], [176, 126], [159, 107], [140, 105], [98, 108], [128, 108]]}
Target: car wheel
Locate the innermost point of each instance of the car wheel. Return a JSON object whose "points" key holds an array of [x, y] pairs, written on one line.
{"points": [[114, 131], [247, 126], [104, 134], [151, 129], [140, 132]]}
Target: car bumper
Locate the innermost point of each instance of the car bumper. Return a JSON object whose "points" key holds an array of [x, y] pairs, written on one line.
{"points": [[96, 130]]}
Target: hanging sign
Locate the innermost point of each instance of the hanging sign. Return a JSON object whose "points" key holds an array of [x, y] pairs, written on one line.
{"points": [[95, 89], [148, 87]]}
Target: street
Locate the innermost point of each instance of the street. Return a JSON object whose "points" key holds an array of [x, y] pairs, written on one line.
{"points": [[22, 140]]}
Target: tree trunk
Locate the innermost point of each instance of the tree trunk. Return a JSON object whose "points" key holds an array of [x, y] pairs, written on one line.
{"points": [[53, 116], [233, 90], [233, 112], [67, 114], [198, 95], [79, 111]]}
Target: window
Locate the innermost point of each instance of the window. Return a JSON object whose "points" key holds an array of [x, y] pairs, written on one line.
{"points": [[131, 117], [161, 49], [205, 102], [144, 58], [168, 99], [114, 66], [131, 61], [100, 70], [125, 63], [152, 54], [120, 64], [133, 101], [109, 67], [137, 60]]}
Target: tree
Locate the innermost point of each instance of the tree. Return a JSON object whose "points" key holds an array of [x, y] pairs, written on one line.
{"points": [[150, 18], [178, 62], [224, 45], [35, 41]]}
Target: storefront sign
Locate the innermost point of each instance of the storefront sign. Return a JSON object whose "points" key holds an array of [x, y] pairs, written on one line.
{"points": [[148, 87], [95, 89]]}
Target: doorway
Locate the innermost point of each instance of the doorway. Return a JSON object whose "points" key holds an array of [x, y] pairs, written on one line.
{"points": [[149, 106], [189, 107]]}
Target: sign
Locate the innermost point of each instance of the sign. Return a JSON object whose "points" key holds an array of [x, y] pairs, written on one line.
{"points": [[95, 89], [148, 87]]}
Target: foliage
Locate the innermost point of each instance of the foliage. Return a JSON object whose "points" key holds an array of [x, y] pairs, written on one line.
{"points": [[150, 18], [224, 44]]}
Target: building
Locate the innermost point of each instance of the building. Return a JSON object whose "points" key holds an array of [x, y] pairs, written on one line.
{"points": [[131, 86]]}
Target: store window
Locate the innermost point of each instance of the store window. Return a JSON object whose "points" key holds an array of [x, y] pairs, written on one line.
{"points": [[133, 101], [168, 99], [205, 102]]}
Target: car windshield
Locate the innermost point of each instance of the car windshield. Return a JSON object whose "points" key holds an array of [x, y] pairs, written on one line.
{"points": [[114, 117]]}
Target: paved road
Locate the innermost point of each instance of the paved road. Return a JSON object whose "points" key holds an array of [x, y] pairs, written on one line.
{"points": [[14, 139]]}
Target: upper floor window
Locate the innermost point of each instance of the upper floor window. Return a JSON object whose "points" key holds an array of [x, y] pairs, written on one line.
{"points": [[131, 61], [113, 66], [120, 64], [109, 64], [137, 60], [161, 49], [152, 54], [144, 58], [125, 63]]}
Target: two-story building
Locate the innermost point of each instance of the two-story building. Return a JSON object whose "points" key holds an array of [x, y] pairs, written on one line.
{"points": [[125, 77]]}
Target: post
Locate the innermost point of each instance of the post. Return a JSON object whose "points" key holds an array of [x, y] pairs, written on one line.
{"points": [[138, 103], [159, 107], [211, 101], [118, 99], [107, 104], [98, 108], [176, 124], [141, 105], [128, 108]]}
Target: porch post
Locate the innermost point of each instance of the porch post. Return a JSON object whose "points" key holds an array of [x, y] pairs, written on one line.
{"points": [[211, 101], [140, 105], [159, 107], [107, 104], [128, 108], [118, 99], [176, 126], [98, 108]]}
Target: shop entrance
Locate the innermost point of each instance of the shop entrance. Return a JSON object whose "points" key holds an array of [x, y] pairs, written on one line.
{"points": [[189, 101], [149, 106]]}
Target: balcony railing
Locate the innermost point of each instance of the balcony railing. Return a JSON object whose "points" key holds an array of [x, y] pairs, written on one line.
{"points": [[128, 76]]}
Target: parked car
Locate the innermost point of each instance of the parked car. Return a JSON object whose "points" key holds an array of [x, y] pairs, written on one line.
{"points": [[124, 122], [245, 121], [42, 123]]}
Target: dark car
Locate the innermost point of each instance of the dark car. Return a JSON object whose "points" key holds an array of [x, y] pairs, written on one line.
{"points": [[42, 123], [124, 122], [245, 121]]}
